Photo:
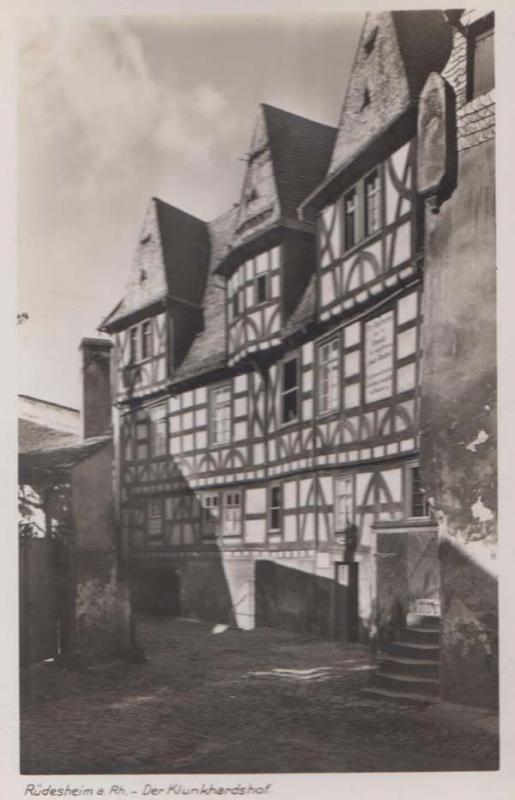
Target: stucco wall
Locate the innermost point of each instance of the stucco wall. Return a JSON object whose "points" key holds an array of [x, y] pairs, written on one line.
{"points": [[458, 421], [102, 605]]}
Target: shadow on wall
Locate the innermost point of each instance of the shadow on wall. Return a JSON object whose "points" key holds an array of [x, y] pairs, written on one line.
{"points": [[469, 668], [299, 601], [408, 569], [191, 583]]}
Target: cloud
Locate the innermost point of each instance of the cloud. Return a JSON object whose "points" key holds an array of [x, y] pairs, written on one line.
{"points": [[87, 89]]}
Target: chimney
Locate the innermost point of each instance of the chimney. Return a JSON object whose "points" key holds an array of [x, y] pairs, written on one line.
{"points": [[96, 387]]}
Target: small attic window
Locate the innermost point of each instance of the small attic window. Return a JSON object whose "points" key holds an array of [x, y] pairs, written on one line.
{"points": [[146, 238], [251, 195], [370, 41], [142, 275], [366, 98]]}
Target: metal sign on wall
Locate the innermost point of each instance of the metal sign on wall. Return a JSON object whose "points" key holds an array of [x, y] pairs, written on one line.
{"points": [[379, 357]]}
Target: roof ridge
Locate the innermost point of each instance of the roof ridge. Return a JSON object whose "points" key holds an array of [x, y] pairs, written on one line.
{"points": [[167, 205], [224, 214], [297, 116]]}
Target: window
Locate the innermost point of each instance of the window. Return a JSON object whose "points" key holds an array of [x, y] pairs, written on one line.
{"points": [[133, 344], [370, 41], [372, 203], [290, 410], [158, 431], [235, 304], [210, 515], [351, 218], [328, 375], [481, 77], [141, 437], [232, 514], [220, 403], [146, 340], [276, 507], [417, 502], [261, 288], [155, 518], [343, 502]]}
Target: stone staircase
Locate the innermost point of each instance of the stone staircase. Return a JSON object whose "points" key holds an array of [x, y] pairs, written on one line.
{"points": [[409, 669]]}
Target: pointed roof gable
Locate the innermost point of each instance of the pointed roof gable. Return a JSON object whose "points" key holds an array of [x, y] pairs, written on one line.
{"points": [[171, 259], [396, 52], [289, 155]]}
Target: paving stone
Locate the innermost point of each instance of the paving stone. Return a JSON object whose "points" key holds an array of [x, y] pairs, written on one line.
{"points": [[244, 701]]}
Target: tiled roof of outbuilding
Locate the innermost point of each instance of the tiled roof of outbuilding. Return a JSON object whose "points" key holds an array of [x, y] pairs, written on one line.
{"points": [[35, 436], [62, 458]]}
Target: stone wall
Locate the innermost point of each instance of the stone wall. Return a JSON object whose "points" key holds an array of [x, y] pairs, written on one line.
{"points": [[458, 420]]}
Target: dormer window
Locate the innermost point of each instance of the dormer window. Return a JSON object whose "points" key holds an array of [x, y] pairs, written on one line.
{"points": [[251, 195], [370, 42], [351, 218], [261, 287], [372, 200], [362, 209], [146, 340], [133, 345]]}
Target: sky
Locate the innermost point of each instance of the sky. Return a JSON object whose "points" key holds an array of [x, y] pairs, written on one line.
{"points": [[115, 110]]}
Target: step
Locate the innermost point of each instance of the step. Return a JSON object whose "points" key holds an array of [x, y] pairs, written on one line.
{"points": [[405, 683], [399, 696], [429, 621], [403, 665], [420, 635], [418, 650]]}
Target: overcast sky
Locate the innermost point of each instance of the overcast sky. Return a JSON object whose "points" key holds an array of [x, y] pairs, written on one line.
{"points": [[115, 110]]}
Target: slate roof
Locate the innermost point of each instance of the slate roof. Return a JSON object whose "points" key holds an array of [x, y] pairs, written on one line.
{"points": [[176, 264], [62, 458], [305, 311], [301, 150], [208, 349], [35, 436], [425, 40]]}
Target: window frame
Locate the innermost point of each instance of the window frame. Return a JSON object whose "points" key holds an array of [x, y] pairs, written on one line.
{"points": [[232, 493], [296, 388], [320, 365], [340, 477], [260, 277], [409, 495], [273, 487], [163, 418], [146, 338], [478, 30], [378, 195], [356, 215], [159, 502], [134, 345], [214, 521], [212, 416]]}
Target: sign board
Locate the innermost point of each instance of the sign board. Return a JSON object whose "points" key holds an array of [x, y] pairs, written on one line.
{"points": [[379, 357]]}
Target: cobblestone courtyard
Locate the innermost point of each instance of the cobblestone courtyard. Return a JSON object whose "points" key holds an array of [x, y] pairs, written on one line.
{"points": [[238, 701]]}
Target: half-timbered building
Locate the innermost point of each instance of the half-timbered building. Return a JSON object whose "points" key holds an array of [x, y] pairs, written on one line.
{"points": [[268, 364]]}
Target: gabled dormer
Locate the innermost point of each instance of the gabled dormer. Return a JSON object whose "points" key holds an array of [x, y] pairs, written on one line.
{"points": [[272, 254], [369, 228], [161, 311]]}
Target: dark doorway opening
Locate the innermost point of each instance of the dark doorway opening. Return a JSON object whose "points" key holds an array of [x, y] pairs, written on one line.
{"points": [[156, 590]]}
